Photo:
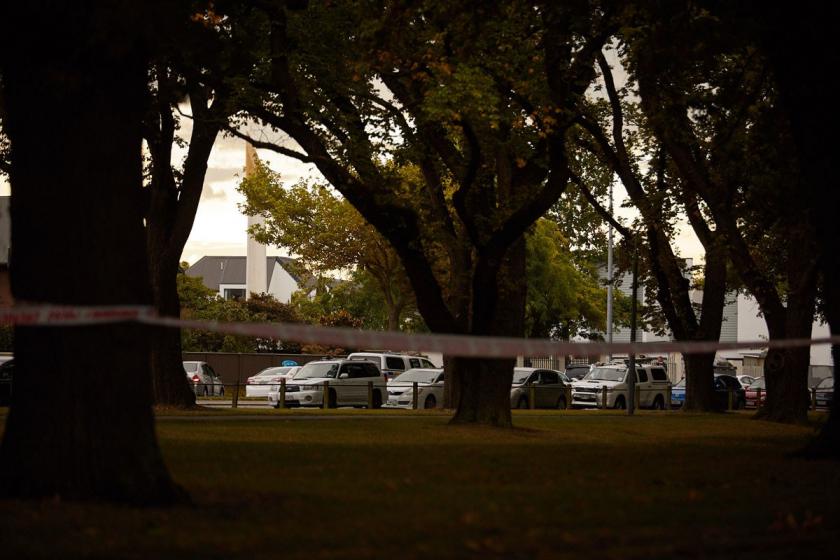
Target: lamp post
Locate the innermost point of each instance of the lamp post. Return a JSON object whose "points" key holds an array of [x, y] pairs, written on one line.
{"points": [[631, 368]]}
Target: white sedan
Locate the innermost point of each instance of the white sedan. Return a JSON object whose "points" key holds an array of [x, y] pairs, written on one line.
{"points": [[260, 384], [429, 388]]}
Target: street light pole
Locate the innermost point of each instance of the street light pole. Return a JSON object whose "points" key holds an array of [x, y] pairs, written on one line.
{"points": [[631, 369], [610, 275]]}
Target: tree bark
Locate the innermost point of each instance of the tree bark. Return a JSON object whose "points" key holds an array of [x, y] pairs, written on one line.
{"points": [[74, 121], [172, 210], [480, 388], [170, 386]]}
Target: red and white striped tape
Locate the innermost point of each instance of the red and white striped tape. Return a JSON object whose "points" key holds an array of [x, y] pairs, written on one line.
{"points": [[448, 344]]}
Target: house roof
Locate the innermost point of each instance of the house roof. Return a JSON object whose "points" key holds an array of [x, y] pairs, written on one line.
{"points": [[231, 270]]}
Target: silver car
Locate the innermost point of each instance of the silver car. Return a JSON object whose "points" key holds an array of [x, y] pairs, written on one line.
{"points": [[259, 385], [205, 381], [429, 388], [549, 388]]}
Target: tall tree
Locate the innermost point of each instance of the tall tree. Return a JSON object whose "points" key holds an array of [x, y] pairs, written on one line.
{"points": [[659, 198], [197, 48], [77, 100], [708, 96], [476, 96], [800, 46], [326, 234]]}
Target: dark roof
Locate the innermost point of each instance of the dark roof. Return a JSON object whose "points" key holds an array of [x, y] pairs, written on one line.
{"points": [[231, 270]]}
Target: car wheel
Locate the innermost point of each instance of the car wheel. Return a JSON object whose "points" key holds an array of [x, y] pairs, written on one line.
{"points": [[332, 400], [276, 405], [430, 402], [523, 402], [619, 403], [377, 399], [561, 403], [659, 403]]}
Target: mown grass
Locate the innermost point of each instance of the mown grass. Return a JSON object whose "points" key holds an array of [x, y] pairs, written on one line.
{"points": [[594, 484]]}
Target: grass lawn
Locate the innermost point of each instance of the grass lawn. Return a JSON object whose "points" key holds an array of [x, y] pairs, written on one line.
{"points": [[571, 484]]}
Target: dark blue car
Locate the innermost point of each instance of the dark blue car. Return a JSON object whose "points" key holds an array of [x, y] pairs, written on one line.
{"points": [[723, 384], [678, 393]]}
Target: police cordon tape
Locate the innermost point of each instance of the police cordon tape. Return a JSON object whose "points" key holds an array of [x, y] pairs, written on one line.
{"points": [[447, 344]]}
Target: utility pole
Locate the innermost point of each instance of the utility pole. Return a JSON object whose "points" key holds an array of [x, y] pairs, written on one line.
{"points": [[610, 275], [631, 367]]}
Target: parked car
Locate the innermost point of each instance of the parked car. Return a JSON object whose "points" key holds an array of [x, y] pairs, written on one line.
{"points": [[678, 394], [577, 372], [751, 398], [348, 385], [722, 384], [7, 368], [429, 388], [392, 364], [549, 388], [204, 380], [260, 384], [825, 392], [651, 379]]}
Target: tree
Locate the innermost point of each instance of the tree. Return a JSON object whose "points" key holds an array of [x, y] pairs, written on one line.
{"points": [[183, 59], [800, 46], [660, 199], [564, 300], [709, 98], [326, 234], [479, 98], [89, 93], [200, 302]]}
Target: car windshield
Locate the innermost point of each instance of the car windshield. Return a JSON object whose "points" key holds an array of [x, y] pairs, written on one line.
{"points": [[418, 375], [520, 377], [191, 367], [606, 374], [827, 383], [758, 383], [317, 369]]}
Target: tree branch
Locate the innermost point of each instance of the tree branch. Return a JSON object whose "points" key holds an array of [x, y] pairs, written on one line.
{"points": [[625, 233], [264, 145]]}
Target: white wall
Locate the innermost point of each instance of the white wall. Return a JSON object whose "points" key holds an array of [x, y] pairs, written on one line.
{"points": [[282, 285], [751, 326]]}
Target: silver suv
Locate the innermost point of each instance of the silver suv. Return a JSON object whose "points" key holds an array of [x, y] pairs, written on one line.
{"points": [[651, 382]]}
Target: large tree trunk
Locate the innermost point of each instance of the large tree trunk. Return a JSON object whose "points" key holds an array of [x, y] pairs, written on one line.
{"points": [[481, 387], [786, 371], [169, 380], [74, 106], [699, 382]]}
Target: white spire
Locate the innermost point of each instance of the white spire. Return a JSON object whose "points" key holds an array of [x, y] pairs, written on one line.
{"points": [[255, 267]]}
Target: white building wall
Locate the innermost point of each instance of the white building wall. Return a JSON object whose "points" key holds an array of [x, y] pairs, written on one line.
{"points": [[282, 285], [752, 326]]}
